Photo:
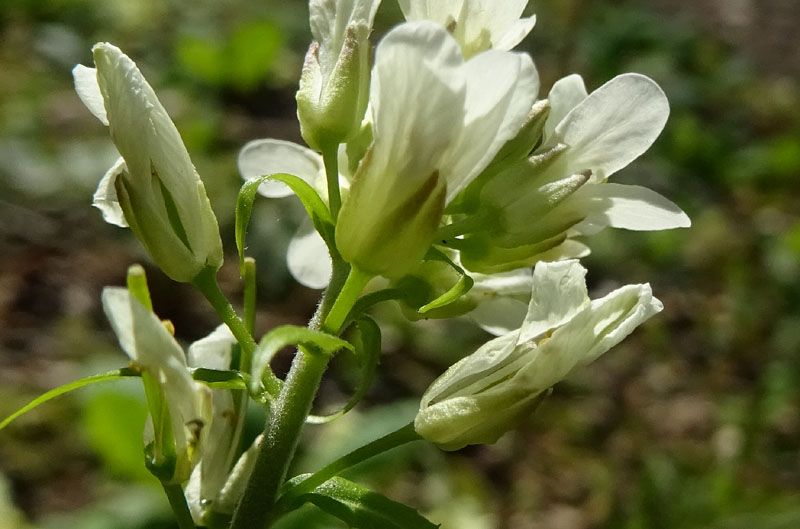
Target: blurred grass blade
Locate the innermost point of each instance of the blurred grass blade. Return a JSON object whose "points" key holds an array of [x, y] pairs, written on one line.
{"points": [[77, 384]]}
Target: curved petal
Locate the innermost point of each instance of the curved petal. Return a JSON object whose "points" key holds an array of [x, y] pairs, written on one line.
{"points": [[515, 33], [501, 89], [499, 316], [614, 125], [213, 351], [89, 91], [105, 198], [268, 156], [566, 94], [631, 208], [558, 294], [308, 259]]}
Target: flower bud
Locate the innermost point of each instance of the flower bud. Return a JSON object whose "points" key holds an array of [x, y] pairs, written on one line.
{"points": [[180, 407], [487, 393], [334, 85], [156, 187]]}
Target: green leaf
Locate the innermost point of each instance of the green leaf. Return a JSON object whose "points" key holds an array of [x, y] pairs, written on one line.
{"points": [[53, 393], [216, 379], [362, 508], [368, 354], [315, 207], [462, 286], [312, 342]]}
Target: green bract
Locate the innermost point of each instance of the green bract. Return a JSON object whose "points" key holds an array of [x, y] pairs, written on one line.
{"points": [[334, 85], [154, 188], [487, 393]]}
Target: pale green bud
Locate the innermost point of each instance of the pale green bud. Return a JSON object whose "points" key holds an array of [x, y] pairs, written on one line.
{"points": [[388, 234], [155, 186], [487, 393], [334, 85]]}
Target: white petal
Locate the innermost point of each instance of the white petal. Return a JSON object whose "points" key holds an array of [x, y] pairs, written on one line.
{"points": [[500, 315], [89, 91], [614, 125], [148, 343], [417, 97], [268, 156], [559, 293], [308, 258], [514, 34], [631, 208], [213, 351], [501, 89], [105, 198], [603, 324], [439, 11], [329, 20], [565, 95]]}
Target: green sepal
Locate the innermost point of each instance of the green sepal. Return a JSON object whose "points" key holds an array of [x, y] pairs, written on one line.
{"points": [[66, 388], [367, 344], [359, 507], [312, 342], [315, 207]]}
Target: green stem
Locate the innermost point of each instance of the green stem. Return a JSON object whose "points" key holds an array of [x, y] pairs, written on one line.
{"points": [[206, 282], [286, 420], [250, 290], [404, 435], [289, 411], [355, 283], [330, 156], [178, 503]]}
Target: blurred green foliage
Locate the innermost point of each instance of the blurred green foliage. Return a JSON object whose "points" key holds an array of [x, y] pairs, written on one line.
{"points": [[692, 423]]}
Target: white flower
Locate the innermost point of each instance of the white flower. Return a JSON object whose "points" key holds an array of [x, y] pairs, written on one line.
{"points": [[437, 122], [154, 188], [477, 25], [334, 84], [487, 393], [154, 351], [562, 191]]}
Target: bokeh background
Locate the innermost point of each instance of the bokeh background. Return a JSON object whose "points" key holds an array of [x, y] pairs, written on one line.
{"points": [[693, 422]]}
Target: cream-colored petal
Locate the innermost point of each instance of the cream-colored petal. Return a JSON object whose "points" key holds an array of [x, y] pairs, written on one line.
{"points": [[308, 258], [614, 125], [566, 94], [268, 156], [89, 91], [105, 198], [558, 294]]}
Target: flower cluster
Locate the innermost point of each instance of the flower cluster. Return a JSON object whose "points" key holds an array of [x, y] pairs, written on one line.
{"points": [[433, 170]]}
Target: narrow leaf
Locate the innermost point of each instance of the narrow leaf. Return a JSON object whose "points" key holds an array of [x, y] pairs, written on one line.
{"points": [[361, 508], [315, 207], [368, 354], [53, 393], [217, 379], [313, 342], [462, 286]]}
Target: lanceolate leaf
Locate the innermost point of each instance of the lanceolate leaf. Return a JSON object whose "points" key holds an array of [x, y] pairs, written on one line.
{"points": [[53, 393], [368, 354], [361, 508], [312, 342], [216, 379], [315, 207]]}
